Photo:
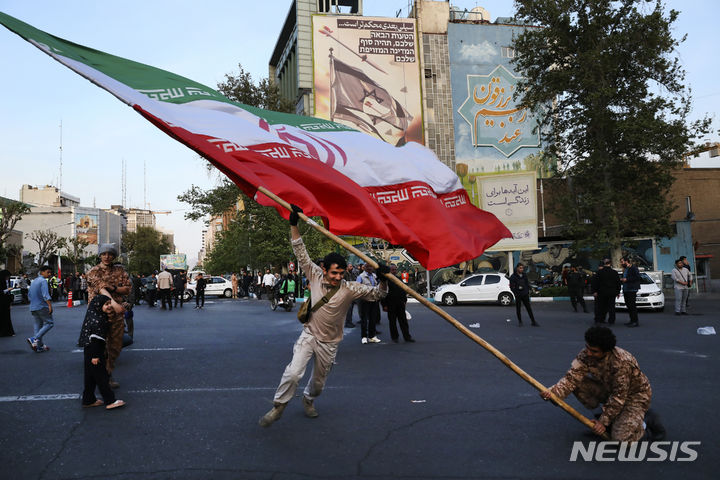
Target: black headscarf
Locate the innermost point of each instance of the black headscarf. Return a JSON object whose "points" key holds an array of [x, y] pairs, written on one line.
{"points": [[96, 321]]}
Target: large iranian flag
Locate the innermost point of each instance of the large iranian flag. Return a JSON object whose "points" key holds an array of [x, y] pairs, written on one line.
{"points": [[359, 185]]}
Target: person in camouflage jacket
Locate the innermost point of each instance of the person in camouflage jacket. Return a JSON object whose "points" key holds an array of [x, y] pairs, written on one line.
{"points": [[603, 374]]}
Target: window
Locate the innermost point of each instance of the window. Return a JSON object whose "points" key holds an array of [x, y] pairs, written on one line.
{"points": [[473, 281], [507, 52], [492, 279], [218, 280]]}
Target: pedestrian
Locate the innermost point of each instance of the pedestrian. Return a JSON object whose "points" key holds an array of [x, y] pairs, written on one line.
{"points": [[41, 309], [200, 284], [136, 289], [165, 286], [520, 287], [246, 282], [6, 298], [575, 282], [631, 285], [690, 280], [681, 278], [83, 288], [394, 304], [234, 281], [331, 296], [54, 288], [180, 283], [93, 335], [604, 374], [110, 279], [151, 290], [368, 309], [350, 275], [268, 280], [24, 286], [258, 284], [605, 288]]}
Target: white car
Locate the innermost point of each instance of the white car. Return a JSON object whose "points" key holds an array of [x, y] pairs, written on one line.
{"points": [[483, 287], [649, 297], [215, 286]]}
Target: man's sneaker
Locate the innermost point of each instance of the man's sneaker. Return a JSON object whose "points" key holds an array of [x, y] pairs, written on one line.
{"points": [[364, 340], [32, 342], [115, 404], [374, 340], [310, 411], [44, 348], [273, 415]]}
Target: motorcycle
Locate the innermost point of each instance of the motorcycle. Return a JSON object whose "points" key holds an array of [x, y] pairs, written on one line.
{"points": [[284, 300]]}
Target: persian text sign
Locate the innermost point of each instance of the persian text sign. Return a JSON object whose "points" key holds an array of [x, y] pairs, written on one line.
{"points": [[512, 198]]}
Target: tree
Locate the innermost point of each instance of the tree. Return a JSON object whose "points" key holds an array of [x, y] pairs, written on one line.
{"points": [[10, 213], [619, 117], [48, 242], [144, 247], [264, 94], [257, 236], [75, 252]]}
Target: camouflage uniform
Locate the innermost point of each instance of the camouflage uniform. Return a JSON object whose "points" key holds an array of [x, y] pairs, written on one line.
{"points": [[102, 277], [617, 383]]}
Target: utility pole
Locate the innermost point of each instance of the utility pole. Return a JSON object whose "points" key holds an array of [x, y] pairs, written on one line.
{"points": [[60, 177]]}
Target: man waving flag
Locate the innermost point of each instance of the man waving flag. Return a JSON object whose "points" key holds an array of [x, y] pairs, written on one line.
{"points": [[359, 185]]}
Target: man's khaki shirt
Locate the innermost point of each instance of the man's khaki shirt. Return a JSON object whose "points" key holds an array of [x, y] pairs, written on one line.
{"points": [[326, 323]]}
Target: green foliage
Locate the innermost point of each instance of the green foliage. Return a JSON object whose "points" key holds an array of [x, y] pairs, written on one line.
{"points": [[10, 213], [210, 203], [259, 237], [618, 123], [264, 94], [144, 247], [554, 291]]}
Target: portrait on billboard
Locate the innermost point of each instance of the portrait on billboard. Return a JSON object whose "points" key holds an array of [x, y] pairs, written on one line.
{"points": [[86, 227], [366, 75]]}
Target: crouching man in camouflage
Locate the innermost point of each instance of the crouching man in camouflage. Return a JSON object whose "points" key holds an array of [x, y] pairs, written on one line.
{"points": [[603, 374]]}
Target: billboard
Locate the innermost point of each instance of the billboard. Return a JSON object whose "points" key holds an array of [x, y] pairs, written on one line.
{"points": [[86, 227], [175, 261], [512, 198], [492, 134], [366, 75]]}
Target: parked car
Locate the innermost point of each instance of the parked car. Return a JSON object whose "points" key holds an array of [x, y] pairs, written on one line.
{"points": [[483, 287], [649, 297], [215, 286]]}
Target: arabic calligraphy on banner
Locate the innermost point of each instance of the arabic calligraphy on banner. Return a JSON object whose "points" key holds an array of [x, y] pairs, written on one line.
{"points": [[493, 116], [512, 198]]}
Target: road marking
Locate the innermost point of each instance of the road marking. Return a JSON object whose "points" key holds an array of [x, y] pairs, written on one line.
{"points": [[76, 396], [77, 350]]}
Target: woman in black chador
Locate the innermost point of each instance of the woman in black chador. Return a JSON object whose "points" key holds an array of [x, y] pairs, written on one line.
{"points": [[92, 338], [6, 326]]}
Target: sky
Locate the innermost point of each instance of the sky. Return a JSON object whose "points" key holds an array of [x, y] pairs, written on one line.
{"points": [[202, 41]]}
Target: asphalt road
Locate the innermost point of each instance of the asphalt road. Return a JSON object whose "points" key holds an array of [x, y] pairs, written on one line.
{"points": [[196, 382]]}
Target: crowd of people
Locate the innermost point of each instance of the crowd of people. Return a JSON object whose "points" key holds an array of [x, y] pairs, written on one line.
{"points": [[601, 375]]}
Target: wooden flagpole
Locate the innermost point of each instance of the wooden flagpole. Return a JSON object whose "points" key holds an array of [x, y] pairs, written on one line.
{"points": [[497, 353]]}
